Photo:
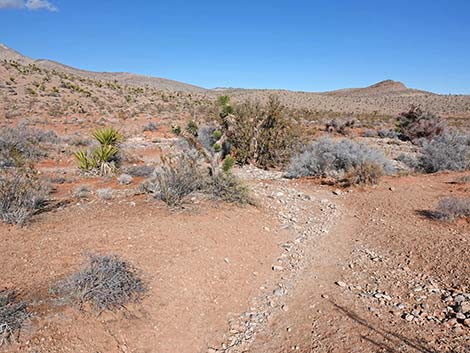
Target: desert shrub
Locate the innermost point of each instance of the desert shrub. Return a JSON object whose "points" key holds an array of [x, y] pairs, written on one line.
{"points": [[125, 179], [21, 195], [206, 136], [82, 192], [13, 314], [105, 194], [139, 170], [228, 188], [340, 126], [365, 172], [450, 208], [22, 144], [105, 282], [463, 179], [416, 124], [326, 158], [447, 152], [387, 133], [150, 126], [411, 161], [260, 134], [370, 133], [175, 179]]}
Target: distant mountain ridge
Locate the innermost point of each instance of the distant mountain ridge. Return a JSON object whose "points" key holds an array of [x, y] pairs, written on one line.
{"points": [[122, 77], [380, 88], [85, 91]]}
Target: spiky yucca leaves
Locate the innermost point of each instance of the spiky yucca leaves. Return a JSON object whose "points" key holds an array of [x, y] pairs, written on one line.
{"points": [[107, 136], [192, 127], [102, 159], [85, 162], [228, 164]]}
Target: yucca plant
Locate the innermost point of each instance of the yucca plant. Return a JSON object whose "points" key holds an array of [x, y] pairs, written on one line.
{"points": [[104, 157], [105, 153], [85, 162], [107, 136]]}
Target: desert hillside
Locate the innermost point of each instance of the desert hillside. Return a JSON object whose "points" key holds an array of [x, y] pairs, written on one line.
{"points": [[141, 214], [34, 86]]}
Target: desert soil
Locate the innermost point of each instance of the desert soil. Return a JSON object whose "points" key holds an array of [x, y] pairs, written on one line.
{"points": [[310, 269]]}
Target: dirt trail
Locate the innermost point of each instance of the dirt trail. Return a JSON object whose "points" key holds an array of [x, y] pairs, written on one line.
{"points": [[309, 259], [310, 270], [372, 283]]}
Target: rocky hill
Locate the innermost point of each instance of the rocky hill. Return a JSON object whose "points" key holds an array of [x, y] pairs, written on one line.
{"points": [[38, 87]]}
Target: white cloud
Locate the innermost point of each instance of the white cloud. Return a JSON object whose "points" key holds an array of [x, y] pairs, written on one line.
{"points": [[11, 4], [29, 4], [40, 4]]}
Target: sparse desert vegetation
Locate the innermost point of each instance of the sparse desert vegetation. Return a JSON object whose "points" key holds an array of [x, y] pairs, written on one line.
{"points": [[229, 220], [105, 282]]}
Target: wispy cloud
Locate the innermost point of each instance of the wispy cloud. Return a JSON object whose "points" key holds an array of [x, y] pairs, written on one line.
{"points": [[12, 4], [40, 4], [28, 4]]}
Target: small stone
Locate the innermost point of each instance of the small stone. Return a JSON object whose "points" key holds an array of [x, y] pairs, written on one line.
{"points": [[325, 296], [465, 307], [460, 316], [226, 260], [409, 317], [337, 192], [391, 188], [277, 268], [459, 299], [452, 322]]}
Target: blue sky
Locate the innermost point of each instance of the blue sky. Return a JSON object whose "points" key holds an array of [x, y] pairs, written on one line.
{"points": [[311, 45]]}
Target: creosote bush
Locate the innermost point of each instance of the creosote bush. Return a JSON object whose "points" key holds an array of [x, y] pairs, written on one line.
{"points": [[327, 158], [13, 314], [105, 282], [416, 124], [21, 195], [450, 208]]}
